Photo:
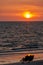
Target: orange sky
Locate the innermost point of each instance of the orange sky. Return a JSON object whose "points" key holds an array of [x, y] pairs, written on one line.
{"points": [[13, 9]]}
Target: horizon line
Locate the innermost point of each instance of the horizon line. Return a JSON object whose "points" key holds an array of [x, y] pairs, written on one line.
{"points": [[19, 21]]}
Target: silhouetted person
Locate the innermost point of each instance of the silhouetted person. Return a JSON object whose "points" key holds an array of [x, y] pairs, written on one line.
{"points": [[27, 58]]}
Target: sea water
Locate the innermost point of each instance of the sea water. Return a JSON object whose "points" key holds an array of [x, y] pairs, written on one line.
{"points": [[20, 38]]}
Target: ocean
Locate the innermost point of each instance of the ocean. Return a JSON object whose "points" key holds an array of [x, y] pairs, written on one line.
{"points": [[20, 38]]}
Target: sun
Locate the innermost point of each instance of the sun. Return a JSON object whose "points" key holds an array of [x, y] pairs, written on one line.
{"points": [[27, 15]]}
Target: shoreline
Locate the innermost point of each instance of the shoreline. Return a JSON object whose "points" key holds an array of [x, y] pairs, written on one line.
{"points": [[22, 52]]}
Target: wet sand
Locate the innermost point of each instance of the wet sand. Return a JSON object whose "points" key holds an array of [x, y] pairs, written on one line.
{"points": [[15, 58]]}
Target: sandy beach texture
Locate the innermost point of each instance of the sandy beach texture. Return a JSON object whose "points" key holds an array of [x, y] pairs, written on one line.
{"points": [[39, 62]]}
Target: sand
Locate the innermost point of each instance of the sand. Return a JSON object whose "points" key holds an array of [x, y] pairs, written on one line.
{"points": [[39, 62]]}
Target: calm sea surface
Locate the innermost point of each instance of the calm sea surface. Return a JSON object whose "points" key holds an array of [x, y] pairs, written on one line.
{"points": [[20, 38]]}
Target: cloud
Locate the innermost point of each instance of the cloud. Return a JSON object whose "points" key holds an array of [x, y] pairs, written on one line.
{"points": [[18, 6], [22, 2]]}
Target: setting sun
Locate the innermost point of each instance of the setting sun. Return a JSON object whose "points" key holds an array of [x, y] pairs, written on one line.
{"points": [[27, 15]]}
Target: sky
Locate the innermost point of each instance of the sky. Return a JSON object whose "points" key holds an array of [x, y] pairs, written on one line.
{"points": [[12, 10]]}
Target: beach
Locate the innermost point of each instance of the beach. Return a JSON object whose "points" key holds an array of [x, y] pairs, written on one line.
{"points": [[39, 62]]}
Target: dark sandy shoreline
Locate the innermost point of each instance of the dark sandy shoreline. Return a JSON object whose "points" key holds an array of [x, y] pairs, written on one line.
{"points": [[39, 62]]}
